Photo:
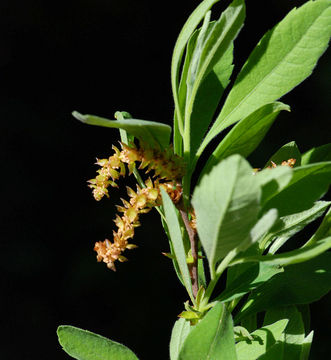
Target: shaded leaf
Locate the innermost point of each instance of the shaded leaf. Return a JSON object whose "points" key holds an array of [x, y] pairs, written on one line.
{"points": [[247, 134], [207, 100], [291, 224], [287, 288], [286, 152], [288, 258], [212, 56], [323, 231], [308, 184], [294, 333], [306, 345], [273, 180], [254, 276], [192, 22], [263, 339], [318, 154], [176, 239]]}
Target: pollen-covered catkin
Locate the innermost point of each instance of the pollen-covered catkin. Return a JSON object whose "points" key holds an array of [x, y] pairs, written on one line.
{"points": [[168, 171]]}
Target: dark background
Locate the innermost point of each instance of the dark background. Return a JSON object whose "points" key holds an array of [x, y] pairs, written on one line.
{"points": [[97, 57]]}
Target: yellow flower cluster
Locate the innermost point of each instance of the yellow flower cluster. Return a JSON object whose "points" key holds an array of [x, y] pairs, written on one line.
{"points": [[290, 162], [168, 169], [165, 164], [140, 202]]}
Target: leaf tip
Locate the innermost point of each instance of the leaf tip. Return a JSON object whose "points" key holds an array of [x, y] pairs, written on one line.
{"points": [[79, 116]]}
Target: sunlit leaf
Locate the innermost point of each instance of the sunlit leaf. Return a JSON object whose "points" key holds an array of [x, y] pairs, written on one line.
{"points": [[85, 345]]}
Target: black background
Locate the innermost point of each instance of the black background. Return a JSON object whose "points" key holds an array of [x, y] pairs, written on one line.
{"points": [[97, 57]]}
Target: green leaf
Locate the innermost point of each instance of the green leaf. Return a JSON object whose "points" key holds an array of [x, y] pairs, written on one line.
{"points": [[274, 353], [323, 231], [309, 183], [179, 333], [153, 133], [319, 154], [246, 135], [185, 34], [177, 240], [263, 339], [294, 333], [226, 204], [284, 57], [291, 224], [207, 100], [222, 35], [254, 276], [288, 258], [272, 181], [125, 137], [287, 288], [306, 345], [211, 338], [260, 229], [286, 152], [178, 140], [85, 345], [208, 54]]}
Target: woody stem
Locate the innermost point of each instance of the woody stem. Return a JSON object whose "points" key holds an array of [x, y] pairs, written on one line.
{"points": [[194, 249]]}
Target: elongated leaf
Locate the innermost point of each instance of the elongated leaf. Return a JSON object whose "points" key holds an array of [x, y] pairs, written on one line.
{"points": [[207, 56], [286, 152], [221, 36], [207, 100], [291, 257], [186, 32], [245, 136], [288, 288], [226, 204], [85, 345], [153, 133], [196, 56], [294, 333], [323, 231], [263, 339], [254, 276], [284, 57], [178, 140], [211, 338], [291, 224], [177, 240], [309, 183], [319, 154], [179, 333]]}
